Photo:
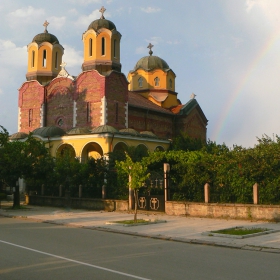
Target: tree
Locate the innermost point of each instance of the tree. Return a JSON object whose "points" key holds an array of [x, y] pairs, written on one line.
{"points": [[137, 171], [20, 159]]}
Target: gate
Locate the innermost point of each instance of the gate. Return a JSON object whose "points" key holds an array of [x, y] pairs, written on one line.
{"points": [[151, 195]]}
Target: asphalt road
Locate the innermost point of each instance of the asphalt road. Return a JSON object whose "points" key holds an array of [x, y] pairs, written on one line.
{"points": [[30, 250]]}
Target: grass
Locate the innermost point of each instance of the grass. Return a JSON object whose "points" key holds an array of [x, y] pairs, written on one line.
{"points": [[129, 222], [240, 231]]}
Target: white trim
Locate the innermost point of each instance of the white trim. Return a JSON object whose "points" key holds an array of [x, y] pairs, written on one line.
{"points": [[103, 118], [19, 118], [42, 115]]}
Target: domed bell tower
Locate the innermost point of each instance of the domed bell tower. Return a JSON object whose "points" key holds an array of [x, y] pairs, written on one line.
{"points": [[102, 46], [44, 57]]}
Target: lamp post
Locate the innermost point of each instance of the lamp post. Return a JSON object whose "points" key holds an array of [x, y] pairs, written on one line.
{"points": [[166, 169]]}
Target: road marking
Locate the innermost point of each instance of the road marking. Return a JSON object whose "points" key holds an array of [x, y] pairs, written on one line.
{"points": [[74, 261]]}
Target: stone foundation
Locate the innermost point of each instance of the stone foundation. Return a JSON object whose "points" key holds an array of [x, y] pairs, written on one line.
{"points": [[225, 211]]}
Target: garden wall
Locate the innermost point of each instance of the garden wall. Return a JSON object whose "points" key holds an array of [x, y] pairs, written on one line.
{"points": [[81, 203], [225, 211]]}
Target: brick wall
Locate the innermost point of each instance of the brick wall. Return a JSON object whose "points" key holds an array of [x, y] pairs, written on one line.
{"points": [[116, 93], [142, 120], [31, 97], [192, 124], [90, 89]]}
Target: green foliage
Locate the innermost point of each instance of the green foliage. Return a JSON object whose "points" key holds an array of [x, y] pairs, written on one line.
{"points": [[183, 142]]}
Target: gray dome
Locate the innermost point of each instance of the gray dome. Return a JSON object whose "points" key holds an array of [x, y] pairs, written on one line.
{"points": [[148, 133], [102, 23], [18, 135], [45, 37], [129, 131], [151, 62], [48, 131], [78, 130], [104, 129]]}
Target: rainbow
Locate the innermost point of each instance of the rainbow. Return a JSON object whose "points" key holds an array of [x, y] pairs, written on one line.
{"points": [[228, 107]]}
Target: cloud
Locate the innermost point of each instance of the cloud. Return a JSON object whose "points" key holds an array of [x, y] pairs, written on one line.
{"points": [[11, 55], [23, 16], [141, 50], [1, 91], [249, 5], [26, 12], [57, 22], [84, 2], [74, 60], [176, 42], [154, 40], [84, 21], [150, 10]]}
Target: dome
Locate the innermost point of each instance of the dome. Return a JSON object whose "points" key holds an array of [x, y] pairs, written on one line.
{"points": [[104, 129], [78, 130], [151, 62], [45, 37], [102, 23], [129, 131], [148, 133], [48, 131], [18, 135]]}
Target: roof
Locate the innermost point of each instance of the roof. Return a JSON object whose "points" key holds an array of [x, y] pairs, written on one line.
{"points": [[151, 62], [130, 131], [78, 130], [18, 135], [104, 129], [49, 131], [45, 37], [137, 100], [102, 23], [189, 106]]}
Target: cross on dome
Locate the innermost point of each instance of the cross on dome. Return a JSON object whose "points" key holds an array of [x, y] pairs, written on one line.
{"points": [[102, 11], [150, 46], [46, 23], [62, 65]]}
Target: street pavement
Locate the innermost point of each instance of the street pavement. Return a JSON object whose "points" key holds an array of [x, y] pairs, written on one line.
{"points": [[173, 228]]}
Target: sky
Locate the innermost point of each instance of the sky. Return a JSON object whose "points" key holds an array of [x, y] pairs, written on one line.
{"points": [[226, 52]]}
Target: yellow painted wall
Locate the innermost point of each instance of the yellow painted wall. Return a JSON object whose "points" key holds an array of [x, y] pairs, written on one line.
{"points": [[80, 143], [149, 80], [38, 58], [97, 46]]}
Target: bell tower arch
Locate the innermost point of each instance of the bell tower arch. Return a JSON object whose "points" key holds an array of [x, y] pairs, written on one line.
{"points": [[102, 46], [44, 57]]}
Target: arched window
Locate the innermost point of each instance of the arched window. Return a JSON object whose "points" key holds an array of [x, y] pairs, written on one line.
{"points": [[33, 59], [116, 112], [44, 58], [140, 82], [56, 60], [88, 112], [30, 117], [170, 83], [103, 46], [156, 81], [115, 46], [90, 47]]}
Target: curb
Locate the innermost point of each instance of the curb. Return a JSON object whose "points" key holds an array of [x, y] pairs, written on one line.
{"points": [[158, 237]]}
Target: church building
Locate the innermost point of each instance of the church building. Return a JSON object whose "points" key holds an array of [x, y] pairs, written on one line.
{"points": [[101, 109]]}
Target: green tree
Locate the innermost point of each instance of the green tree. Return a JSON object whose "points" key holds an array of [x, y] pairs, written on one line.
{"points": [[137, 171]]}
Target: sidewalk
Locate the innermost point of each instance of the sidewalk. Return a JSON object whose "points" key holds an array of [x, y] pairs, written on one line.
{"points": [[180, 229]]}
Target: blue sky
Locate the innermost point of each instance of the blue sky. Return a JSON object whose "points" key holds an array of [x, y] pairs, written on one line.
{"points": [[226, 52]]}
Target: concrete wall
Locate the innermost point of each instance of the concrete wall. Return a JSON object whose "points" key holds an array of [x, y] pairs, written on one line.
{"points": [[226, 211], [82, 203]]}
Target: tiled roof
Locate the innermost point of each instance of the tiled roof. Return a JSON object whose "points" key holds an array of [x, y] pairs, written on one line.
{"points": [[136, 100]]}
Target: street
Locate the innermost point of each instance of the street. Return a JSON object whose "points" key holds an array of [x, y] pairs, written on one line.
{"points": [[34, 250]]}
